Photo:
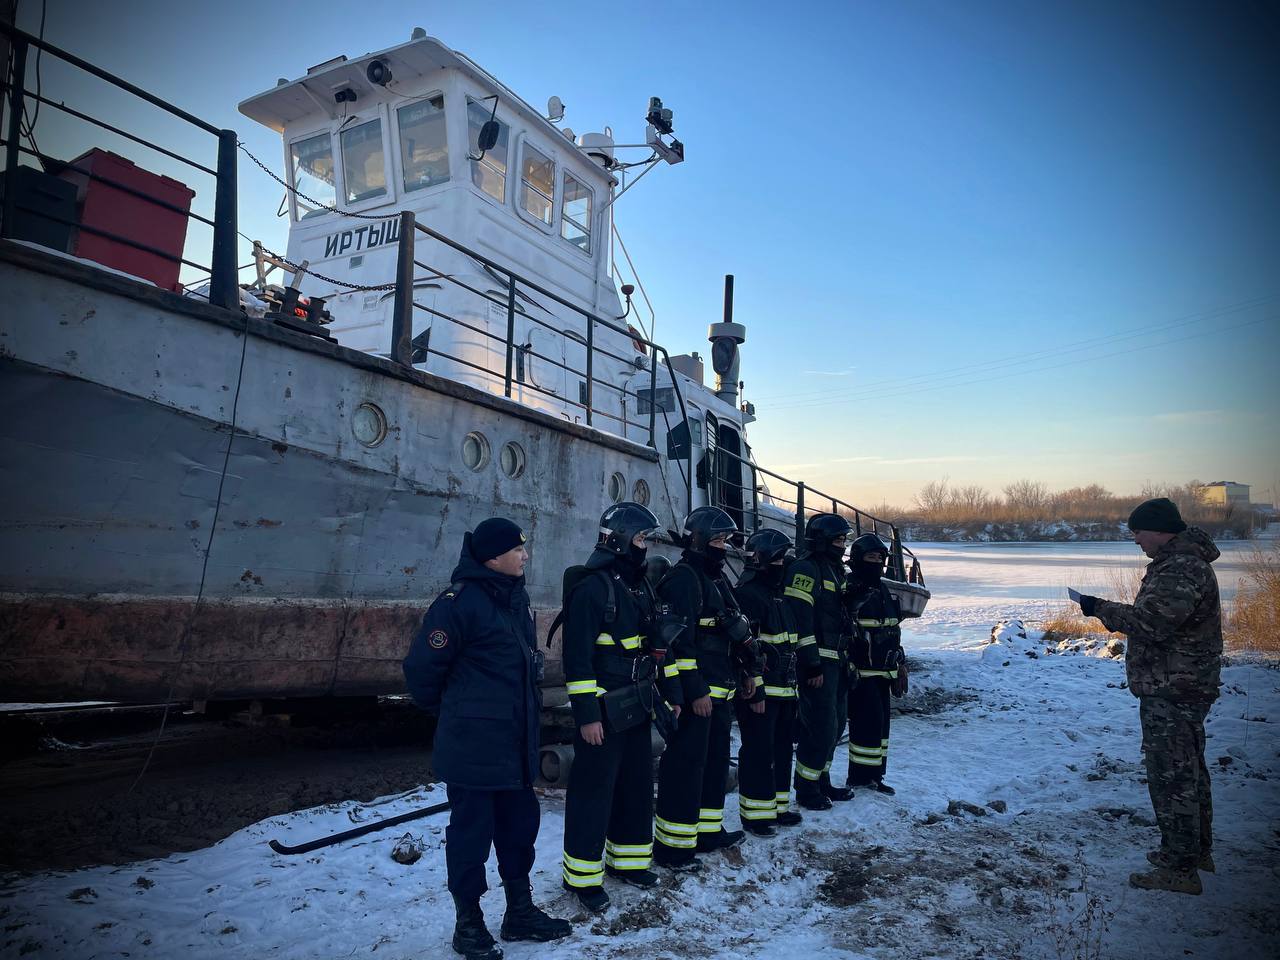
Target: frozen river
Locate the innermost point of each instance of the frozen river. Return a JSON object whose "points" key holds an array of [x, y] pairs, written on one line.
{"points": [[977, 584]]}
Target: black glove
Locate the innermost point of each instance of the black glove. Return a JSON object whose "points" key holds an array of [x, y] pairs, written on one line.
{"points": [[1088, 604]]}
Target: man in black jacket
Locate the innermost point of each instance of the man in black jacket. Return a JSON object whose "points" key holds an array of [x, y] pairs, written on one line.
{"points": [[766, 719], [615, 649], [814, 584], [474, 664], [876, 657], [716, 652]]}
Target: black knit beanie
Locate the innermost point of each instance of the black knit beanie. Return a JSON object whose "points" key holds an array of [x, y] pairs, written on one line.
{"points": [[1160, 515], [494, 537]]}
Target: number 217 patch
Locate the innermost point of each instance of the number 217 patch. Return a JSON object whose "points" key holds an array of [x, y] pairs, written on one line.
{"points": [[801, 582]]}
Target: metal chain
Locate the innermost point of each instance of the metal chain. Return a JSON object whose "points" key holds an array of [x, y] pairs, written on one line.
{"points": [[298, 193], [320, 276]]}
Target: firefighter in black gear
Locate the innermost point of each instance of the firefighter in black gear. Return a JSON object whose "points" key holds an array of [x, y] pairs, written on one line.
{"points": [[877, 658], [714, 652], [814, 583], [474, 664], [767, 719], [614, 647]]}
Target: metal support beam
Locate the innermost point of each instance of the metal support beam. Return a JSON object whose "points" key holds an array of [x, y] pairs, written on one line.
{"points": [[402, 310], [224, 285], [17, 81]]}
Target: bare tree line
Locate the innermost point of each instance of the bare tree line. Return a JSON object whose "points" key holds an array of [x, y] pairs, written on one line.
{"points": [[1032, 501]]}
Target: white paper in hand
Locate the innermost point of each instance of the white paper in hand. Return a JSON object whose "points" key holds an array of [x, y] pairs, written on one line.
{"points": [[1074, 595]]}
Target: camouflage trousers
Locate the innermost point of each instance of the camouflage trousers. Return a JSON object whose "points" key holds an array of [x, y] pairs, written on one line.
{"points": [[1173, 744]]}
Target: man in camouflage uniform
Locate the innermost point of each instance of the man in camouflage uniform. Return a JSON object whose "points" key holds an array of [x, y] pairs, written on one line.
{"points": [[1174, 628]]}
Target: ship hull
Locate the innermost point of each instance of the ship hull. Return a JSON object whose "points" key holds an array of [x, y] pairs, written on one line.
{"points": [[325, 550]]}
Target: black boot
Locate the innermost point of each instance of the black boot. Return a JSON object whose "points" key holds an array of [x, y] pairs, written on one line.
{"points": [[524, 921], [879, 786], [637, 878], [711, 842], [831, 792], [471, 937], [789, 818], [760, 828], [594, 899]]}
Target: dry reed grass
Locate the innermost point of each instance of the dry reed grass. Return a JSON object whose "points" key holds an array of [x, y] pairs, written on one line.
{"points": [[1252, 623]]}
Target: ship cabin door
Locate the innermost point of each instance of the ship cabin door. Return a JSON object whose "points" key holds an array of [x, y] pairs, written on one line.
{"points": [[723, 470]]}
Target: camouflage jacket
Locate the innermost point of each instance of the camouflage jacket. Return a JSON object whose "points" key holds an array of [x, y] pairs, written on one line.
{"points": [[1174, 625]]}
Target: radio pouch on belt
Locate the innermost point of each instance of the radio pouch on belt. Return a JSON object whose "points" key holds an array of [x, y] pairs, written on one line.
{"points": [[624, 708]]}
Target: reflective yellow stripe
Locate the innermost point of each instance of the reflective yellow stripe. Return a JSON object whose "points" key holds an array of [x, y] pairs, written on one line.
{"points": [[689, 664], [759, 681], [708, 622], [722, 693], [775, 637], [756, 804], [783, 801], [806, 641], [829, 585], [779, 691], [866, 751], [878, 673], [671, 670], [671, 840], [890, 622], [865, 761], [807, 772], [769, 814], [829, 653], [677, 828], [582, 686], [628, 863], [710, 821], [630, 643], [628, 849], [574, 880], [795, 594], [604, 640], [582, 866]]}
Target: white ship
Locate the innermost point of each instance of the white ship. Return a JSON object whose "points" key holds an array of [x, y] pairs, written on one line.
{"points": [[204, 503]]}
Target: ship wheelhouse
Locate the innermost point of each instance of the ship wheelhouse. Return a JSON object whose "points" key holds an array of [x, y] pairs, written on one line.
{"points": [[358, 151]]}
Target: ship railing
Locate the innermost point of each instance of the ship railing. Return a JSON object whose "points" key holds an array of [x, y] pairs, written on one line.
{"points": [[411, 258], [748, 502], [221, 270]]}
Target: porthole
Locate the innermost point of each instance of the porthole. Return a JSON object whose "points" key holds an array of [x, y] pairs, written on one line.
{"points": [[512, 459], [475, 451], [369, 424], [617, 487], [640, 493]]}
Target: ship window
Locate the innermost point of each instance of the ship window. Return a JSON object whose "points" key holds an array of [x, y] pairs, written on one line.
{"points": [[489, 173], [364, 174], [617, 487], [313, 175], [666, 400], [513, 460], [424, 145], [538, 183], [475, 451], [575, 220]]}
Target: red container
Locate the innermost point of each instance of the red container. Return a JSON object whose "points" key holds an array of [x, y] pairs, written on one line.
{"points": [[111, 210]]}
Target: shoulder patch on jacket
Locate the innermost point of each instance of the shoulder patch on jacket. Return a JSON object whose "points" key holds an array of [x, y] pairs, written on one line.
{"points": [[438, 639]]}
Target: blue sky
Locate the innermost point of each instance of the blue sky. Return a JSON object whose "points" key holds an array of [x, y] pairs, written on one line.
{"points": [[983, 241]]}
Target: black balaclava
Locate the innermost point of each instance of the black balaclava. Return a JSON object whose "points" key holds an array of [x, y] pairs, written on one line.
{"points": [[867, 572], [631, 563]]}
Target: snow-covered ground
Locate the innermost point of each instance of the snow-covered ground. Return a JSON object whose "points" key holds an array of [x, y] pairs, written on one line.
{"points": [[1021, 809]]}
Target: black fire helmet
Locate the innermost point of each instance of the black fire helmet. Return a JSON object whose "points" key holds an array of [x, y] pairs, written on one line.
{"points": [[766, 547], [867, 543], [703, 525], [621, 522], [822, 528]]}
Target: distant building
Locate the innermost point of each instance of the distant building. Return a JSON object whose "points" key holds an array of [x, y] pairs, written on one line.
{"points": [[1224, 493]]}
